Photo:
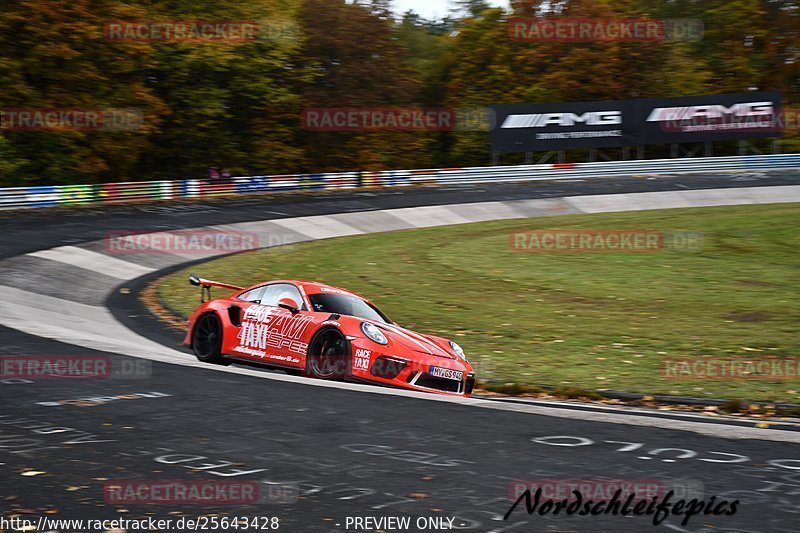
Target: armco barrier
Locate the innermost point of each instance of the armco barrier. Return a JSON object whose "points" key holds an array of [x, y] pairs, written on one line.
{"points": [[114, 193]]}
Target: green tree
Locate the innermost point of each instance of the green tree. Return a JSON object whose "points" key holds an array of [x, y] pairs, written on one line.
{"points": [[734, 41], [10, 164]]}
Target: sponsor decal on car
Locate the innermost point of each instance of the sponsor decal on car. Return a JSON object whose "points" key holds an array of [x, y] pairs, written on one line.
{"points": [[446, 373], [335, 291], [361, 359], [272, 327]]}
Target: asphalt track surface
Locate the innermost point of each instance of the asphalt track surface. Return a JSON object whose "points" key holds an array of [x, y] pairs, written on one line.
{"points": [[341, 453]]}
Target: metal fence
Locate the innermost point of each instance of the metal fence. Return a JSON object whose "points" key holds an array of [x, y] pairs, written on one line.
{"points": [[115, 193]]}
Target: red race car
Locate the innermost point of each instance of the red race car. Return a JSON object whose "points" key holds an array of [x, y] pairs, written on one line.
{"points": [[324, 332]]}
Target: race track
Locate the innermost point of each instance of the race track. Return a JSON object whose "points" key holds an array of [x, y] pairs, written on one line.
{"points": [[344, 450]]}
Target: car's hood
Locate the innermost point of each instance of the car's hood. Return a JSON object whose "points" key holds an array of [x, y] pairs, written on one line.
{"points": [[414, 341]]}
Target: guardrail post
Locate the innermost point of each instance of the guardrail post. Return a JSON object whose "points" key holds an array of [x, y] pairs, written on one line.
{"points": [[545, 158]]}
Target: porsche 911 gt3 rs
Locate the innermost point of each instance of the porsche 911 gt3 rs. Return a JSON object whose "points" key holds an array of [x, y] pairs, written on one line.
{"points": [[322, 332]]}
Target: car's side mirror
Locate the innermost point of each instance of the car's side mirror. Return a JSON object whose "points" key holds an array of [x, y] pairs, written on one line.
{"points": [[291, 305]]}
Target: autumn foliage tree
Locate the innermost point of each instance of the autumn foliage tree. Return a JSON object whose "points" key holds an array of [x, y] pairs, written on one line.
{"points": [[54, 55], [359, 63]]}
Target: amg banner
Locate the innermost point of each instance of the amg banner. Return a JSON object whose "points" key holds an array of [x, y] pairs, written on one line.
{"points": [[569, 125], [720, 117], [562, 126]]}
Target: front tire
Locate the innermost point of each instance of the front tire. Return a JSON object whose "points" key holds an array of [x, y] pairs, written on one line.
{"points": [[207, 340], [328, 355]]}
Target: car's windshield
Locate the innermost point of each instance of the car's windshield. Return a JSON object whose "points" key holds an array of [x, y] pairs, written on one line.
{"points": [[345, 304]]}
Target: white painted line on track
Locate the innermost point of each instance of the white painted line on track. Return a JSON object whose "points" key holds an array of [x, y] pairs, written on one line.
{"points": [[317, 227], [75, 323], [646, 412], [428, 216], [94, 261]]}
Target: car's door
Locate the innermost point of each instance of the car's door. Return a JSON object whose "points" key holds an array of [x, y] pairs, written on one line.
{"points": [[270, 333]]}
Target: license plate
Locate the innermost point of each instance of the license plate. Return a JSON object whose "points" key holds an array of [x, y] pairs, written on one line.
{"points": [[446, 373]]}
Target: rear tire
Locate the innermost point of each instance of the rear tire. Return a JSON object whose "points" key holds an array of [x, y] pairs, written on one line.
{"points": [[207, 340], [328, 355]]}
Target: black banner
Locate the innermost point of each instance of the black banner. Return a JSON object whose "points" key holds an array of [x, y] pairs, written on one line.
{"points": [[720, 117], [611, 123], [562, 125]]}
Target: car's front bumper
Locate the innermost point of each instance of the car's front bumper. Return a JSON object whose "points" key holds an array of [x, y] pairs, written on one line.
{"points": [[425, 381], [411, 371]]}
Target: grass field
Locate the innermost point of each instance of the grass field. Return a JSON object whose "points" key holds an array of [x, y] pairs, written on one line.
{"points": [[585, 320]]}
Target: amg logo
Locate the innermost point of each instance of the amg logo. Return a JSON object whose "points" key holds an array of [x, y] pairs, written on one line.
{"points": [[744, 109], [540, 120]]}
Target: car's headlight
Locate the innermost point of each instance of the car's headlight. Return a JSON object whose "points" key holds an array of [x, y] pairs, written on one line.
{"points": [[458, 350], [374, 333]]}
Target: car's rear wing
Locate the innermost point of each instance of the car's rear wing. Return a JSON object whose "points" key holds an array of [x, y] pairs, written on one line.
{"points": [[206, 284]]}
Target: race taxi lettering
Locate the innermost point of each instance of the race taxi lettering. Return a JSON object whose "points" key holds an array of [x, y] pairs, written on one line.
{"points": [[271, 327], [361, 359]]}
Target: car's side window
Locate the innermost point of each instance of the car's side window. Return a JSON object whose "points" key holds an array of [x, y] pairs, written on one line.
{"points": [[253, 295], [276, 291]]}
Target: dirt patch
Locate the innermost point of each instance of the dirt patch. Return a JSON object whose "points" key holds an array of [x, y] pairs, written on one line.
{"points": [[750, 316], [149, 297], [757, 283]]}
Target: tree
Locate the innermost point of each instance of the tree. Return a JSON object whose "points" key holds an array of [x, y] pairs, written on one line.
{"points": [[733, 42], [359, 63], [234, 103], [10, 165], [472, 8], [54, 55]]}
